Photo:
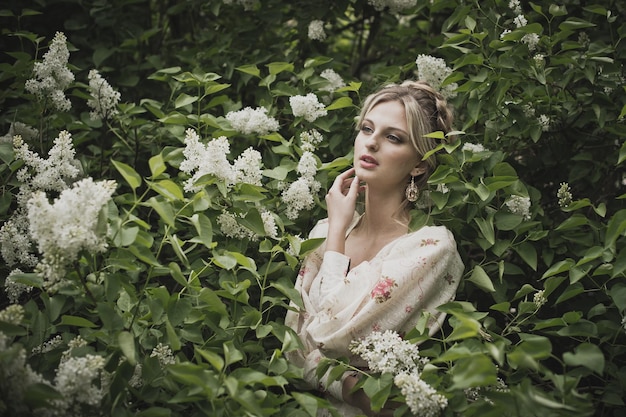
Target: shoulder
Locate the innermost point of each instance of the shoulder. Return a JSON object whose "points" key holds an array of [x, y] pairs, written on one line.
{"points": [[431, 236]]}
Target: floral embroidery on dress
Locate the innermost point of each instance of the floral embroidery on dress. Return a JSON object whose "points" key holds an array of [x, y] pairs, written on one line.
{"points": [[376, 327], [408, 309], [382, 290], [449, 278], [429, 241]]}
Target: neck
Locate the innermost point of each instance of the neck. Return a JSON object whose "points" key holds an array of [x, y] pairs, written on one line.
{"points": [[384, 213]]}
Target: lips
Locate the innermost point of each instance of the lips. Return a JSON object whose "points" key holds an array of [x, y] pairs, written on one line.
{"points": [[368, 162]]}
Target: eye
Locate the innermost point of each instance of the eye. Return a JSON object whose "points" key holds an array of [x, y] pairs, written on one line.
{"points": [[394, 138], [366, 129]]}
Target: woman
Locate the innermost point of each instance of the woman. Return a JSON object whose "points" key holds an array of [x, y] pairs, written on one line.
{"points": [[372, 273]]}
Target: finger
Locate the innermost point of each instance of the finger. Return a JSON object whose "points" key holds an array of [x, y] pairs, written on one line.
{"points": [[354, 187]]}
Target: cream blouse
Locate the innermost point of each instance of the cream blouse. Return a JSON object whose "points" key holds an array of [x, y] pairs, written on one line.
{"points": [[414, 273]]}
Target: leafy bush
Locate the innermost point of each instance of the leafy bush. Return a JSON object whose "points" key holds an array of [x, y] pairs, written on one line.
{"points": [[170, 299]]}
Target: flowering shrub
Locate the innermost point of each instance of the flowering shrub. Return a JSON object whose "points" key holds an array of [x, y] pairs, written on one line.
{"points": [[160, 174]]}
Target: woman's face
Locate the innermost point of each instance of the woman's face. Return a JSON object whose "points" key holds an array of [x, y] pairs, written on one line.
{"points": [[384, 156]]}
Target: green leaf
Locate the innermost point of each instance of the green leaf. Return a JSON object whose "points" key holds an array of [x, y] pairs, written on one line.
{"points": [[486, 228], [76, 321], [474, 371], [204, 228], [618, 295], [307, 401], [165, 210], [340, 103], [144, 254], [558, 268], [278, 67], [528, 253], [212, 358], [172, 337], [378, 390], [130, 175], [588, 355], [250, 69], [168, 189], [157, 165], [127, 345], [480, 278], [184, 100]]}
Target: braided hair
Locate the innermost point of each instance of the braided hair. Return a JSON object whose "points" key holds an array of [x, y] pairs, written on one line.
{"points": [[426, 111]]}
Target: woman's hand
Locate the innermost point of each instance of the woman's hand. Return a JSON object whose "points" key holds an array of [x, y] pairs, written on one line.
{"points": [[341, 203]]}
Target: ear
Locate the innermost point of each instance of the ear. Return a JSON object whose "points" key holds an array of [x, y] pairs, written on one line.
{"points": [[419, 169]]}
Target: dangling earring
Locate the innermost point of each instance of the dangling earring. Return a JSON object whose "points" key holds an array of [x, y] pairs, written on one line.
{"points": [[412, 192]]}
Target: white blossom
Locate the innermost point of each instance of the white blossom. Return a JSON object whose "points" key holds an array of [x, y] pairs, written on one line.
{"points": [[520, 21], [515, 6], [48, 345], [473, 147], [299, 196], [310, 140], [539, 298], [78, 381], [316, 30], [269, 224], [564, 194], [545, 122], [307, 166], [52, 174], [164, 355], [51, 77], [67, 226], [519, 205], [231, 228], [422, 399], [434, 71], [13, 289], [206, 159], [247, 167], [104, 99], [307, 106], [249, 120], [334, 80], [15, 241], [12, 314], [532, 40], [388, 352]]}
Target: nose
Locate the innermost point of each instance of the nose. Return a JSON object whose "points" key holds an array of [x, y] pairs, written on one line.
{"points": [[371, 142]]}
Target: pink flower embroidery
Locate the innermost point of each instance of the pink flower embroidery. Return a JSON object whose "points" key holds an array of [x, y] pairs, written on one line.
{"points": [[449, 278], [382, 290], [408, 309], [376, 327], [429, 241]]}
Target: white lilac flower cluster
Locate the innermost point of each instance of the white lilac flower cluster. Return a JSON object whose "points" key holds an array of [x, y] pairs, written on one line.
{"points": [[230, 227], [104, 99], [394, 5], [51, 77], [539, 299], [78, 381], [210, 159], [37, 175], [545, 122], [248, 121], [334, 80], [13, 314], [67, 226], [564, 194], [316, 30], [434, 71], [164, 355], [520, 205], [307, 106], [310, 140], [530, 39], [473, 147], [14, 289], [387, 352]]}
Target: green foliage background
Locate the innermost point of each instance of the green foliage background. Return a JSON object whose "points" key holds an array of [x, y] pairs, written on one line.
{"points": [[170, 276]]}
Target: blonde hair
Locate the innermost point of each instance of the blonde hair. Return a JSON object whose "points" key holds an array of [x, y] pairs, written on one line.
{"points": [[426, 111]]}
